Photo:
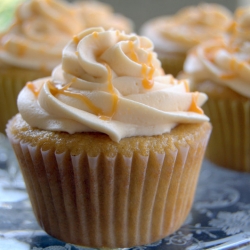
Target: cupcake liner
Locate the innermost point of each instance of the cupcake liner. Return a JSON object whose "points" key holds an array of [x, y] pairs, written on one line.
{"points": [[115, 201], [229, 145], [11, 82]]}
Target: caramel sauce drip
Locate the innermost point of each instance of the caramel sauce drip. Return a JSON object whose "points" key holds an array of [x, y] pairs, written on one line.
{"points": [[32, 87], [95, 34], [227, 76], [64, 90], [117, 32], [147, 75], [186, 86], [133, 56], [234, 66], [54, 91], [115, 97], [232, 27], [211, 52], [75, 39], [147, 81], [22, 49], [194, 107]]}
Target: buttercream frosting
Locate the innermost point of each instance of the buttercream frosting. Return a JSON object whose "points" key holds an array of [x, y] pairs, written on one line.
{"points": [[224, 61], [110, 82], [187, 28]]}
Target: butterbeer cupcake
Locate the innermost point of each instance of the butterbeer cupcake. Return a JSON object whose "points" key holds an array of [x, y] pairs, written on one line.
{"points": [[174, 35], [220, 68], [110, 148], [95, 14], [32, 46]]}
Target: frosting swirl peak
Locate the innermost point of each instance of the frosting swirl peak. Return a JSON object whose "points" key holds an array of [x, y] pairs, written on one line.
{"points": [[113, 83]]}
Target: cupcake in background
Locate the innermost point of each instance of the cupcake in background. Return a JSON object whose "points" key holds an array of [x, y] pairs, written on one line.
{"points": [[95, 14], [7, 9], [32, 46], [110, 148], [174, 35], [221, 69]]}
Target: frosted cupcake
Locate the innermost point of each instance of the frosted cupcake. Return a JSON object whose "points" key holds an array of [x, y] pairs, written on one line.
{"points": [[32, 47], [174, 35], [110, 148], [221, 69], [95, 14]]}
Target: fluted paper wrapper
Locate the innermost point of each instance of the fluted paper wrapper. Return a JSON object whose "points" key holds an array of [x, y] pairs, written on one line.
{"points": [[229, 144], [111, 202], [11, 83]]}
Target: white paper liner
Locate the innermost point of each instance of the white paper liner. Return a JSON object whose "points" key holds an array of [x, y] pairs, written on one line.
{"points": [[111, 202], [229, 144]]}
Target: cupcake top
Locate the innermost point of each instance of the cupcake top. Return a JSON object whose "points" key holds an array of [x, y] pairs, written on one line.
{"points": [[224, 61], [38, 34], [95, 14], [187, 28], [110, 82]]}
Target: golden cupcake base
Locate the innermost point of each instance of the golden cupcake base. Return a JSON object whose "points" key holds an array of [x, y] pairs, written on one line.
{"points": [[90, 191]]}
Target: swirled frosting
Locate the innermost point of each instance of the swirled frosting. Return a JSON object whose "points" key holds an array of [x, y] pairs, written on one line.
{"points": [[110, 82], [224, 61], [187, 28], [95, 14], [40, 31]]}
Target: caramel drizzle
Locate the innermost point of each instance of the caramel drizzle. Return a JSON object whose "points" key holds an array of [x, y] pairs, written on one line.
{"points": [[54, 91], [234, 66], [228, 76], [76, 39], [148, 75], [32, 87], [95, 34], [194, 107], [21, 48], [186, 86], [147, 82], [132, 55], [64, 90], [211, 52]]}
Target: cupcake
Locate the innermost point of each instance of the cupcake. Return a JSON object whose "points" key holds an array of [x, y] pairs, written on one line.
{"points": [[174, 35], [110, 148], [220, 68], [95, 14], [32, 46]]}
